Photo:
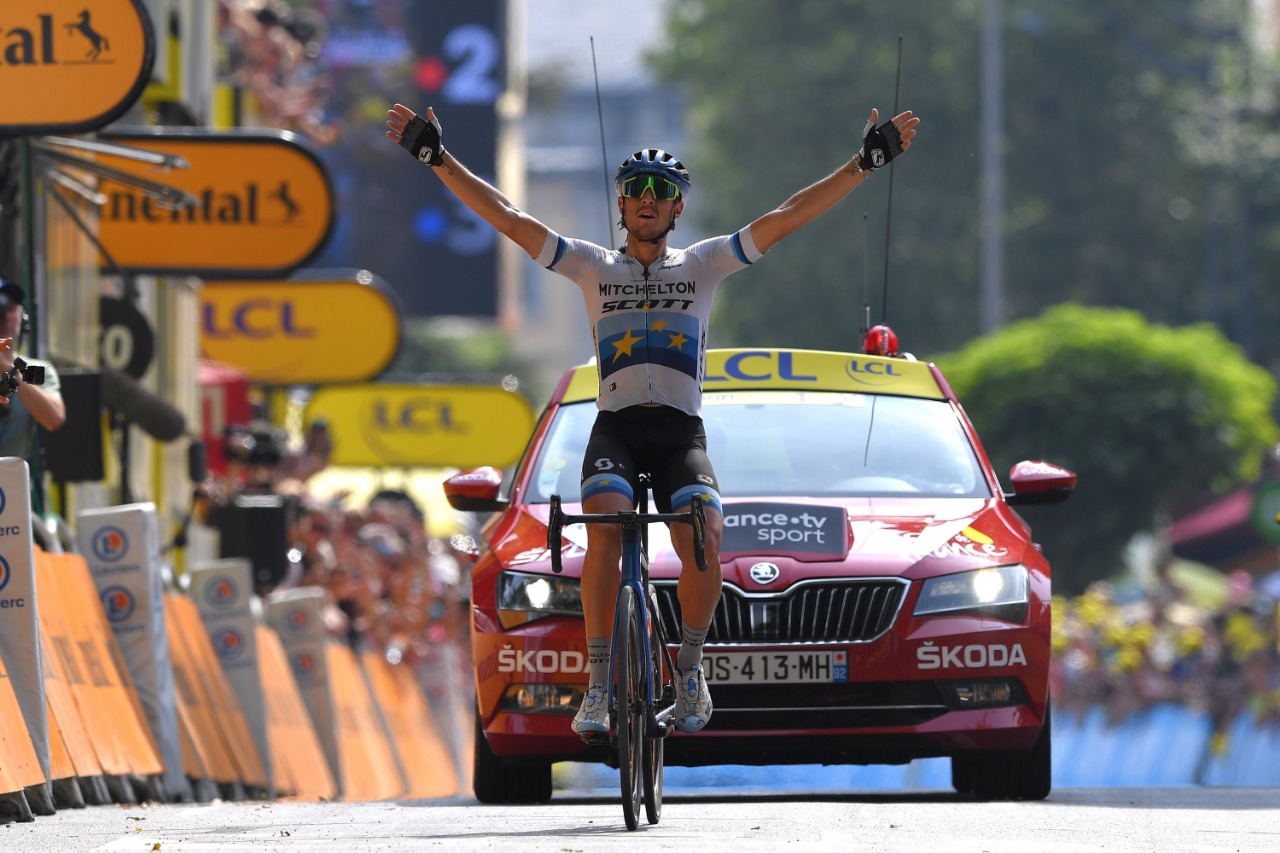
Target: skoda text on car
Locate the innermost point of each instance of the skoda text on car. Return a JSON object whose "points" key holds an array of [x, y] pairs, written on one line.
{"points": [[882, 599]]}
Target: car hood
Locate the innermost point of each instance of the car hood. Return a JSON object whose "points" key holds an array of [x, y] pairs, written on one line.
{"points": [[812, 538]]}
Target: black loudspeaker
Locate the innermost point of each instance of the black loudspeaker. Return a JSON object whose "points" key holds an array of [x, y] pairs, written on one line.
{"points": [[254, 526], [73, 451]]}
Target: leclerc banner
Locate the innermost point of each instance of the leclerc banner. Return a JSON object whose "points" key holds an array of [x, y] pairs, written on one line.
{"points": [[428, 426], [19, 615], [263, 204], [71, 66], [121, 544], [316, 328]]}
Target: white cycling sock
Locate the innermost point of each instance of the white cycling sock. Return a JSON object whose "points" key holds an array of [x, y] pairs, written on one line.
{"points": [[598, 660], [690, 654]]}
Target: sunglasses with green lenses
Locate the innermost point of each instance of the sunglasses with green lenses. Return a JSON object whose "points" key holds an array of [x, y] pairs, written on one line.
{"points": [[662, 188]]}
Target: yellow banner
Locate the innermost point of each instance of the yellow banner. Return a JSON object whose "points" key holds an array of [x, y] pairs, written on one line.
{"points": [[800, 370], [300, 332], [389, 426], [263, 205], [70, 66]]}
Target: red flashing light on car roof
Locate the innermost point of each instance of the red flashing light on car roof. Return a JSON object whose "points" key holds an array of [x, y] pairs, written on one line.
{"points": [[880, 340]]}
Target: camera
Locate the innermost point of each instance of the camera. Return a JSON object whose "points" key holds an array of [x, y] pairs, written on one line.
{"points": [[32, 374], [255, 444]]}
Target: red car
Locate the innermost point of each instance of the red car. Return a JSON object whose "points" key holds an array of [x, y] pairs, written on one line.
{"points": [[882, 600]]}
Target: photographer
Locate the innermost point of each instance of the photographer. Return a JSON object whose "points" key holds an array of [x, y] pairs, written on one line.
{"points": [[30, 394]]}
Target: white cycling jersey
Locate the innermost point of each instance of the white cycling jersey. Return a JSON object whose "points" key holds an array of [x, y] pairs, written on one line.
{"points": [[649, 325]]}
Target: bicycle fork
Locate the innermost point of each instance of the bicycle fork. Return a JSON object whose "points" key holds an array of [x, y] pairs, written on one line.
{"points": [[634, 576]]}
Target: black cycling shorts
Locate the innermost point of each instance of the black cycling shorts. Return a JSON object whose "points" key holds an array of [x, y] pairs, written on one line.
{"points": [[666, 443]]}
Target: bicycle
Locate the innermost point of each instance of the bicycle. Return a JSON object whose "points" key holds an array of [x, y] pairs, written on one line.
{"points": [[641, 668]]}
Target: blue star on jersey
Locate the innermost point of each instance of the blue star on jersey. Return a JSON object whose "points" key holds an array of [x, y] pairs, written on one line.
{"points": [[668, 339]]}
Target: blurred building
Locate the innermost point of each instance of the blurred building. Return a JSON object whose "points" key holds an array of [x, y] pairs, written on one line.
{"points": [[569, 178]]}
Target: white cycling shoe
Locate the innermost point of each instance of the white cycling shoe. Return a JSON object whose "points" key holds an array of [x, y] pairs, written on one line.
{"points": [[693, 700], [593, 716]]}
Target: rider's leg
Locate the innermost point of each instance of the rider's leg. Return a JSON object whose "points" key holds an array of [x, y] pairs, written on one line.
{"points": [[600, 571], [603, 491], [600, 566], [699, 592]]}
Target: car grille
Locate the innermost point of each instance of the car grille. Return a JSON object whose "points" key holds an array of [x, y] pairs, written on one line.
{"points": [[839, 611], [760, 707]]}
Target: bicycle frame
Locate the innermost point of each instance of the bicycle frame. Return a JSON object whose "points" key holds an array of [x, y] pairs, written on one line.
{"points": [[635, 575], [638, 726]]}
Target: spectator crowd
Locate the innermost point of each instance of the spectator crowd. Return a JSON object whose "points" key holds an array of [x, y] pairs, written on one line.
{"points": [[1127, 649], [388, 584]]}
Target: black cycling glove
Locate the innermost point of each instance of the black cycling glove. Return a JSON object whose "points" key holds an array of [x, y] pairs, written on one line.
{"points": [[421, 138], [879, 145]]}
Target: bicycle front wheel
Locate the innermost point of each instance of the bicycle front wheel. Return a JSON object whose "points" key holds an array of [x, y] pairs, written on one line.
{"points": [[653, 747], [629, 693]]}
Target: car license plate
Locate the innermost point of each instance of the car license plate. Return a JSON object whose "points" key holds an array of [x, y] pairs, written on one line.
{"points": [[792, 667]]}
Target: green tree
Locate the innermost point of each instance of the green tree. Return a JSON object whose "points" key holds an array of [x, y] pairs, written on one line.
{"points": [[1147, 415], [1140, 170], [778, 93]]}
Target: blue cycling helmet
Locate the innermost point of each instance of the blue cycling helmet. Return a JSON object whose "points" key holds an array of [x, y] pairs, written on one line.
{"points": [[653, 161]]}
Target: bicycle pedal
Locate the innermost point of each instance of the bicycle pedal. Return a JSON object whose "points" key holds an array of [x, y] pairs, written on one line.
{"points": [[597, 739], [659, 725]]}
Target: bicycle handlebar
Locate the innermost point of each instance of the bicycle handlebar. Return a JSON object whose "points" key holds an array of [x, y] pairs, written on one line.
{"points": [[695, 516]]}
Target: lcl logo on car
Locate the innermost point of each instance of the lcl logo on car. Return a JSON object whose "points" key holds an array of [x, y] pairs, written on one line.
{"points": [[763, 573]]}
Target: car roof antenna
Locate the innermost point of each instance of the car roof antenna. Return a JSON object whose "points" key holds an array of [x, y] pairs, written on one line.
{"points": [[604, 156], [881, 340]]}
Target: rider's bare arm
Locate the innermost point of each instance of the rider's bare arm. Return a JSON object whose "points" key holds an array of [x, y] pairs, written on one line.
{"points": [[491, 205], [816, 199], [484, 199]]}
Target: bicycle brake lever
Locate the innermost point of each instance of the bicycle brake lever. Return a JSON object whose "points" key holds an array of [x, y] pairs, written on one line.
{"points": [[699, 520], [555, 521]]}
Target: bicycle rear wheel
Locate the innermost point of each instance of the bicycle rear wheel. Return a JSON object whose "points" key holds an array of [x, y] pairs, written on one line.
{"points": [[629, 693], [653, 747]]}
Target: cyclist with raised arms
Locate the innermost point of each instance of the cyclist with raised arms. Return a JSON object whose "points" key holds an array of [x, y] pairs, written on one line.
{"points": [[648, 305]]}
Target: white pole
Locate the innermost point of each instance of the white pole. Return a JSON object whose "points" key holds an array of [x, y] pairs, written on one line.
{"points": [[991, 138]]}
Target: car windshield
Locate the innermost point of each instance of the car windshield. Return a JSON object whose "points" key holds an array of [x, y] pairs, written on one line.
{"points": [[800, 444]]}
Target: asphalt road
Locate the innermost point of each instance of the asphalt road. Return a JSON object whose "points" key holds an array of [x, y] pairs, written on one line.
{"points": [[1163, 820]]}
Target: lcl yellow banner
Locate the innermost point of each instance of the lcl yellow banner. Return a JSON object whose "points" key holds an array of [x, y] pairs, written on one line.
{"points": [[70, 66], [395, 426], [301, 331], [263, 205]]}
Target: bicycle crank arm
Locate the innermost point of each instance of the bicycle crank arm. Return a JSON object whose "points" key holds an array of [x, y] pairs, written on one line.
{"points": [[661, 723]]}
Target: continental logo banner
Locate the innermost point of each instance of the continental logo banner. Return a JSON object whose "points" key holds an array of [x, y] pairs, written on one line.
{"points": [[316, 328], [71, 66], [263, 205], [459, 426]]}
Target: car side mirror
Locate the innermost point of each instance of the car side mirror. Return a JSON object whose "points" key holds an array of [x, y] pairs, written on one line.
{"points": [[475, 490], [1038, 483]]}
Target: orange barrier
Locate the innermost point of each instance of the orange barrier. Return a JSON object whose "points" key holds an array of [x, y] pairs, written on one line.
{"points": [[297, 758], [78, 586], [368, 767], [19, 764], [72, 619], [427, 764], [224, 708], [60, 764], [204, 753], [65, 724]]}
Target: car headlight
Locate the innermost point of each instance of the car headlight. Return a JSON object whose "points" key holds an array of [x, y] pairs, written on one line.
{"points": [[998, 591], [525, 597]]}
